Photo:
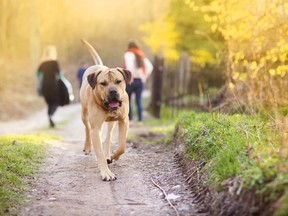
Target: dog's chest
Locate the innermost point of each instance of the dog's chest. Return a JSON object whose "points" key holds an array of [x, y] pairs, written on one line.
{"points": [[113, 116]]}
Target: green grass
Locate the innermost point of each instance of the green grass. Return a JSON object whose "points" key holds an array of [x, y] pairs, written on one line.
{"points": [[20, 158], [240, 146], [157, 131], [161, 134], [163, 127]]}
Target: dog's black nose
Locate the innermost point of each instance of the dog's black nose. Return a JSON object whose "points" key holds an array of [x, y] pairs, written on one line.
{"points": [[113, 91]]}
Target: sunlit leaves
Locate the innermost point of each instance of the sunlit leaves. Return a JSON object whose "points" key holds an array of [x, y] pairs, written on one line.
{"points": [[256, 32], [161, 37], [202, 57], [184, 30]]}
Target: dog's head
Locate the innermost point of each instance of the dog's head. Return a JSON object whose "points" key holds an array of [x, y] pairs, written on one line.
{"points": [[109, 86]]}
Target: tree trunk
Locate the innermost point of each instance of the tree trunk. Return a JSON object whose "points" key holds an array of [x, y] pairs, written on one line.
{"points": [[200, 89], [157, 86]]}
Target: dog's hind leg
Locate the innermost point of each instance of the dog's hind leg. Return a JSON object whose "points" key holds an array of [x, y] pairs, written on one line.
{"points": [[107, 142], [123, 126], [87, 145]]}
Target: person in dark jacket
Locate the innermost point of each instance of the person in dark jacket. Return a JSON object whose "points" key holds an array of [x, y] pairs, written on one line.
{"points": [[81, 70], [48, 75]]}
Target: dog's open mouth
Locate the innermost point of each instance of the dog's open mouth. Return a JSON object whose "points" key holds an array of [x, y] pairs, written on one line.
{"points": [[112, 104]]}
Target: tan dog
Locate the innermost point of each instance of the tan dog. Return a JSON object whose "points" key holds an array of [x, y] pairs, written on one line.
{"points": [[103, 98]]}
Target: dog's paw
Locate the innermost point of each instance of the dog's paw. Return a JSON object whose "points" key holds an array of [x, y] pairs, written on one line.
{"points": [[109, 161], [86, 152], [109, 176]]}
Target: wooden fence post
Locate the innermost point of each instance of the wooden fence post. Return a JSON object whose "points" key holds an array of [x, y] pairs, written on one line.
{"points": [[157, 86]]}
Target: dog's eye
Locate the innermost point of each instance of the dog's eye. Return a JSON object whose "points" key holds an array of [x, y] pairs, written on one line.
{"points": [[118, 81], [103, 84]]}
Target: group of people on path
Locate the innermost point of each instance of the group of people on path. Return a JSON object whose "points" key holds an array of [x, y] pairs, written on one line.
{"points": [[49, 73]]}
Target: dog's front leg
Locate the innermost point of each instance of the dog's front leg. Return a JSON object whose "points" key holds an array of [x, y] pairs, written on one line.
{"points": [[123, 126], [107, 142], [106, 174], [87, 145]]}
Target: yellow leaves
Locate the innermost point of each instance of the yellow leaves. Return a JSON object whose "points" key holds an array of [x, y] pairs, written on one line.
{"points": [[272, 72], [171, 54], [281, 71], [211, 19], [274, 59], [214, 27], [256, 34], [245, 63], [161, 37], [202, 57], [240, 76], [207, 18], [231, 86], [238, 56], [278, 53], [215, 6], [192, 5], [253, 65]]}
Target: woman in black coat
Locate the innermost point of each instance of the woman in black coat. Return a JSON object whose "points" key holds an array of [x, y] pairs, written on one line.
{"points": [[48, 80]]}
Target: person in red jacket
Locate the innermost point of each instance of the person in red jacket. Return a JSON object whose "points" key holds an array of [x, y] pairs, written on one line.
{"points": [[140, 67]]}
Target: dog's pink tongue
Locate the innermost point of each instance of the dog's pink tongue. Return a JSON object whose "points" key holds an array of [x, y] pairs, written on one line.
{"points": [[113, 104]]}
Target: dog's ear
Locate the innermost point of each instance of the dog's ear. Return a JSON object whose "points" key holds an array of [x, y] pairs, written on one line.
{"points": [[126, 74], [92, 79]]}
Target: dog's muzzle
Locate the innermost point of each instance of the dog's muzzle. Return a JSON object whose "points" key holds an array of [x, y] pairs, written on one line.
{"points": [[112, 102]]}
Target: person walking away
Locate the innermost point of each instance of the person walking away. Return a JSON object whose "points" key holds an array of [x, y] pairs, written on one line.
{"points": [[80, 72], [141, 68], [48, 75]]}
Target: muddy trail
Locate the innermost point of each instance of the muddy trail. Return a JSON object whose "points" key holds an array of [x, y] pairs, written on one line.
{"points": [[149, 182]]}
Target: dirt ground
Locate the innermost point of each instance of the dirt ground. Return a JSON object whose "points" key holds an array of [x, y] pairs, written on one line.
{"points": [[69, 182]]}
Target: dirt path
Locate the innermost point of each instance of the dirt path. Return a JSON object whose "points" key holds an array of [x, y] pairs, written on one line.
{"points": [[70, 183]]}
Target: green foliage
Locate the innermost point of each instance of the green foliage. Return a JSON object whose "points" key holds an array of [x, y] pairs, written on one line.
{"points": [[196, 35], [282, 211], [20, 157], [283, 110]]}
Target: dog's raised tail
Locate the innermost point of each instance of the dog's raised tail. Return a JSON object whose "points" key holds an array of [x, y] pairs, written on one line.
{"points": [[93, 52]]}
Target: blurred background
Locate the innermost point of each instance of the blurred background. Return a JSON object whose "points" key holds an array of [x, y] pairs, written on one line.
{"points": [[27, 27], [206, 53]]}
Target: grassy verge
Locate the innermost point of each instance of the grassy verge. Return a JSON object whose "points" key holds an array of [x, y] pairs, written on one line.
{"points": [[158, 130], [246, 147], [20, 157]]}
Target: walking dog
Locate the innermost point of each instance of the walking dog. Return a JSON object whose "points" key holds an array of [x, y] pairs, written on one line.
{"points": [[104, 99]]}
